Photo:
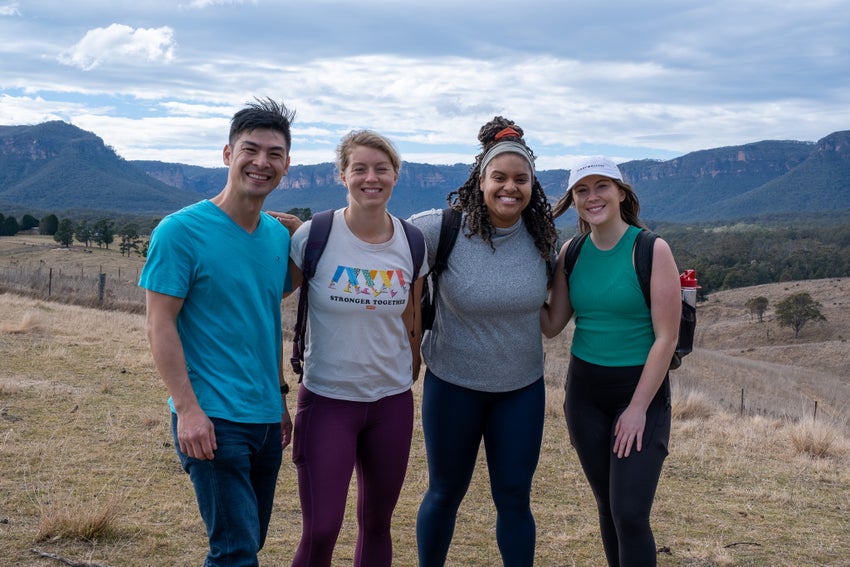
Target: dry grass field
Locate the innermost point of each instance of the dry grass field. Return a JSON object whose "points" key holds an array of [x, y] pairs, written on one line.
{"points": [[88, 475]]}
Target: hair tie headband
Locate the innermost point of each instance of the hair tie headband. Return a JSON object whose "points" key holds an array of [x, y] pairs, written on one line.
{"points": [[506, 132], [507, 146]]}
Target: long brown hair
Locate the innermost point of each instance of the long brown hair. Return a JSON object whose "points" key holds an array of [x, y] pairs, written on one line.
{"points": [[629, 208]]}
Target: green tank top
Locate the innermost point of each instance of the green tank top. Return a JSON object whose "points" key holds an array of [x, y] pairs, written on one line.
{"points": [[613, 323]]}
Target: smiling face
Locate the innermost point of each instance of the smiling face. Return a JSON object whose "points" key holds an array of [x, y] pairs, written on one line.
{"points": [[597, 199], [506, 184], [369, 177], [257, 162]]}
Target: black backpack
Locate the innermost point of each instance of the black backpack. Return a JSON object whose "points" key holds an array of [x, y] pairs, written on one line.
{"points": [[449, 230], [643, 251], [320, 229]]}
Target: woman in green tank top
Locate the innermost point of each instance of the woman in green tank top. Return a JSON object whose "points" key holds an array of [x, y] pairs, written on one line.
{"points": [[617, 392]]}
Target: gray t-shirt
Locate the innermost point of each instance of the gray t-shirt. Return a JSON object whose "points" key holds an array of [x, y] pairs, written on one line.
{"points": [[486, 333]]}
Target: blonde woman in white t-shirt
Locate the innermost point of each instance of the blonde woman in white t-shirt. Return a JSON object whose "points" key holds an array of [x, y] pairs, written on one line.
{"points": [[355, 405]]}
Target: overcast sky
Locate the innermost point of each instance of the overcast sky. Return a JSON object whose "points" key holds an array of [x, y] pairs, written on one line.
{"points": [[160, 79]]}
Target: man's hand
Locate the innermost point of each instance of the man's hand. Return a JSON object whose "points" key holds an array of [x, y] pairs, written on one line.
{"points": [[196, 434], [285, 427]]}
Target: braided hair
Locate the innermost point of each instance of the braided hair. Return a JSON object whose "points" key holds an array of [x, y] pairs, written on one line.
{"points": [[469, 198]]}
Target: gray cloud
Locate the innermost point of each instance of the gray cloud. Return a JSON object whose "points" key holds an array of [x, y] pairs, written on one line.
{"points": [[633, 79]]}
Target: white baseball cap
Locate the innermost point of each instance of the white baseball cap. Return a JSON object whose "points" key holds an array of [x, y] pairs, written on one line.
{"points": [[593, 165]]}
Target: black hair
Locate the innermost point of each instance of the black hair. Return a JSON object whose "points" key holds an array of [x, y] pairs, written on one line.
{"points": [[263, 113], [470, 199]]}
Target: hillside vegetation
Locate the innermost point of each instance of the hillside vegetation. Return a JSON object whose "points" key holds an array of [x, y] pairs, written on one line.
{"points": [[88, 471], [746, 254]]}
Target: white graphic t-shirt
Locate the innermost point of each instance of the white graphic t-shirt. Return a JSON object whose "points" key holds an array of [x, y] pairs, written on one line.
{"points": [[357, 347]]}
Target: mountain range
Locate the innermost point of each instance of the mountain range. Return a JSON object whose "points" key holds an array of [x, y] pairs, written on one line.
{"points": [[57, 167]]}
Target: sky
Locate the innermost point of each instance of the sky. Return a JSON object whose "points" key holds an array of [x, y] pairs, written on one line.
{"points": [[651, 79]]}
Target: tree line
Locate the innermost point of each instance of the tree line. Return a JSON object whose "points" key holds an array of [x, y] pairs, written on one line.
{"points": [[9, 226], [724, 257], [727, 257], [102, 232]]}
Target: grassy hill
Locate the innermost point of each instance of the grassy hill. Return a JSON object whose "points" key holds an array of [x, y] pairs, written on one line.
{"points": [[88, 472]]}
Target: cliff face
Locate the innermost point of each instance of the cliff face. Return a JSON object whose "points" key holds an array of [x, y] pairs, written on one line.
{"points": [[58, 166], [837, 143], [171, 176]]}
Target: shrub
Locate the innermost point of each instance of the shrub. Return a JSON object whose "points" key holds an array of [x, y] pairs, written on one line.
{"points": [[814, 439], [691, 405], [75, 521]]}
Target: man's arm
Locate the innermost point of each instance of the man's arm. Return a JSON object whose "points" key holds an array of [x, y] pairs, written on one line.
{"points": [[195, 432]]}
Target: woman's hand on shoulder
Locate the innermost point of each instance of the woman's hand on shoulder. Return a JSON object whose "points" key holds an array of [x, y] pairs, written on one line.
{"points": [[291, 222]]}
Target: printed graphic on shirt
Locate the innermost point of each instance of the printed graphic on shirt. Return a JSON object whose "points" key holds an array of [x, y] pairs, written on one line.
{"points": [[368, 287]]}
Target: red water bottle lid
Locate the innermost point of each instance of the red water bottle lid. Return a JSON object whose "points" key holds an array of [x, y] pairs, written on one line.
{"points": [[688, 278]]}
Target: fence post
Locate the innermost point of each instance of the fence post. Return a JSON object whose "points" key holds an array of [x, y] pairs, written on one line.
{"points": [[101, 284], [50, 282], [742, 401]]}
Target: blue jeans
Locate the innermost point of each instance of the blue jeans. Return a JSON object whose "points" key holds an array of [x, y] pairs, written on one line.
{"points": [[454, 420], [235, 490]]}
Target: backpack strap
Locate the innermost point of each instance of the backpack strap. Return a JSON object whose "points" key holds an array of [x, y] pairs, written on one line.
{"points": [[643, 252], [416, 242], [317, 238], [320, 229], [449, 229], [571, 255], [644, 249]]}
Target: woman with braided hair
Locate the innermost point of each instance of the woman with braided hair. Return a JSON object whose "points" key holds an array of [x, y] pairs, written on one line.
{"points": [[484, 352]]}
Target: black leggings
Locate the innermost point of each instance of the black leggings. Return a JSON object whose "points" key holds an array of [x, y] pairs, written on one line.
{"points": [[624, 488]]}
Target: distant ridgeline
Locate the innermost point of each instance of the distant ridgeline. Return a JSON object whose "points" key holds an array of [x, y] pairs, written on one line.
{"points": [[744, 215], [54, 167]]}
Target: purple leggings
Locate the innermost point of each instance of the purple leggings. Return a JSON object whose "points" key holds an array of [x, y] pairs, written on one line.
{"points": [[333, 438]]}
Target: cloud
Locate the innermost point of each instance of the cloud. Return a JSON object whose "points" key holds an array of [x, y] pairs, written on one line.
{"points": [[12, 9], [119, 42], [34, 110], [632, 80]]}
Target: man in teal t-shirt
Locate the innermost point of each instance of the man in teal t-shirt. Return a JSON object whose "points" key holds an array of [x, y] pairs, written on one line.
{"points": [[214, 278]]}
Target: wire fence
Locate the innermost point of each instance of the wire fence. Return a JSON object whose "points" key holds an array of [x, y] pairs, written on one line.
{"points": [[102, 290]]}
